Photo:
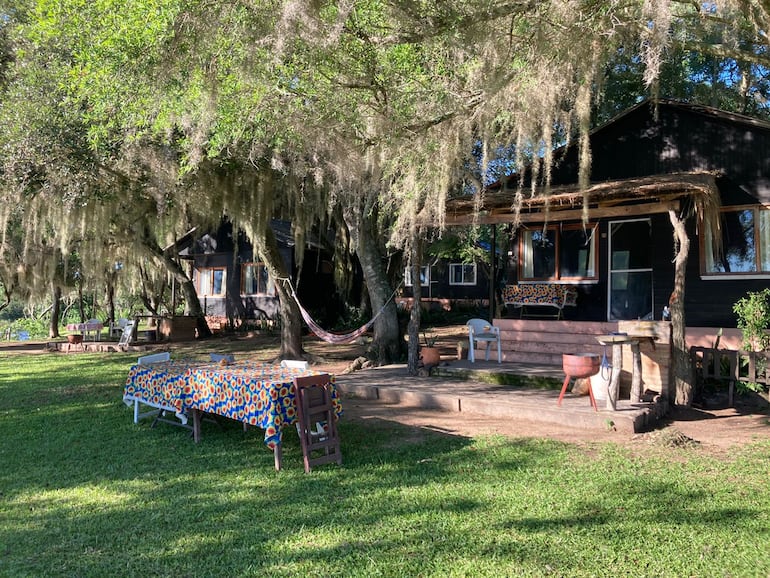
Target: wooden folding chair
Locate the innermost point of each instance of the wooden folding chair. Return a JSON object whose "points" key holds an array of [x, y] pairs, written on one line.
{"points": [[316, 405]]}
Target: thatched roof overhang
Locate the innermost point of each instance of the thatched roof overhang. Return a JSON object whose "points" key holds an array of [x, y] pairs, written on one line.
{"points": [[608, 199]]}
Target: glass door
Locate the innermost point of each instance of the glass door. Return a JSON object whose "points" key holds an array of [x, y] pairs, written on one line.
{"points": [[630, 270]]}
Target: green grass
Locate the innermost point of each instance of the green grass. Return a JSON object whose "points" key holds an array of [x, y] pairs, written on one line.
{"points": [[86, 492]]}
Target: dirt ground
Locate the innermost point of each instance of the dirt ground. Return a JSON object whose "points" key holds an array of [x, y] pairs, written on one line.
{"points": [[714, 430]]}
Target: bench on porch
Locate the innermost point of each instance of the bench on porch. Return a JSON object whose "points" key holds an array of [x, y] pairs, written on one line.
{"points": [[547, 295]]}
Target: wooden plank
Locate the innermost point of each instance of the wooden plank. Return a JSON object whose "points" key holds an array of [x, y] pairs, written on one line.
{"points": [[556, 216]]}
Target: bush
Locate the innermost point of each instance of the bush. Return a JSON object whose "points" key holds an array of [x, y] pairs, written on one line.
{"points": [[753, 313]]}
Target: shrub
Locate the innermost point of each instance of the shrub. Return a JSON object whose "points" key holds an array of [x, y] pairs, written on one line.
{"points": [[753, 313]]}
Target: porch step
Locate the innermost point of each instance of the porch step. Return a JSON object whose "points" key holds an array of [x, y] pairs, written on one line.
{"points": [[544, 342], [538, 357], [459, 388]]}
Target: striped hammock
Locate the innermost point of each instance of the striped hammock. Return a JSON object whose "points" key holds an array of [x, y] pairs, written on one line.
{"points": [[328, 336]]}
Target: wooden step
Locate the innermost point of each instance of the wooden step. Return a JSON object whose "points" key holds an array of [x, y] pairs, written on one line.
{"points": [[532, 357], [518, 336], [555, 347]]}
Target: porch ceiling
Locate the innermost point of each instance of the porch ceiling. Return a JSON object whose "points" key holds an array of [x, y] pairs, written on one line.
{"points": [[626, 197]]}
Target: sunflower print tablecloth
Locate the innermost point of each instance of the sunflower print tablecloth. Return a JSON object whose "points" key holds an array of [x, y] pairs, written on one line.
{"points": [[257, 394]]}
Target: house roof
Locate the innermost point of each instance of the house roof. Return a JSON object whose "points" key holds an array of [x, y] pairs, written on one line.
{"points": [[606, 198], [652, 194]]}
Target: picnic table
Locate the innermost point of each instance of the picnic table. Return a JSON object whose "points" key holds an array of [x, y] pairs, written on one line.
{"points": [[92, 326], [254, 393]]}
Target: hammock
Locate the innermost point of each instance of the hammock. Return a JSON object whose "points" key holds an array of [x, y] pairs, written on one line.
{"points": [[338, 338]]}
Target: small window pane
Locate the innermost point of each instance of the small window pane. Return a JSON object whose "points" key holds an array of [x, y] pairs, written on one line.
{"points": [[539, 254], [249, 280], [631, 242], [256, 280], [218, 282], [576, 253], [462, 274], [764, 240], [738, 245], [424, 276]]}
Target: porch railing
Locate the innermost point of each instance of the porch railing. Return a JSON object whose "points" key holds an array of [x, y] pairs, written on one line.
{"points": [[731, 366]]}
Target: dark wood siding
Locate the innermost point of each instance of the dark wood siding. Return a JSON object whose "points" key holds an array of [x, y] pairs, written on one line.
{"points": [[683, 138]]}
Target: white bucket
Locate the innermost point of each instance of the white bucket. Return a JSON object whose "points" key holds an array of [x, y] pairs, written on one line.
{"points": [[599, 384]]}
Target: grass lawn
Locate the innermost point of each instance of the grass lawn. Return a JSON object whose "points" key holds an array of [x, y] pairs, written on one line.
{"points": [[86, 492]]}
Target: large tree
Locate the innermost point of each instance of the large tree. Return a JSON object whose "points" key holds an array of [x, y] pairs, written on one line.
{"points": [[371, 105]]}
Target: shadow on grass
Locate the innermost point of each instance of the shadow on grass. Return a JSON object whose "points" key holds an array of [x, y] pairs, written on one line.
{"points": [[86, 492]]}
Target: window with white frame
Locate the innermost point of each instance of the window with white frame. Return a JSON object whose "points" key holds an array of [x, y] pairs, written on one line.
{"points": [[462, 273], [424, 276], [255, 280], [566, 252], [745, 243], [210, 281]]}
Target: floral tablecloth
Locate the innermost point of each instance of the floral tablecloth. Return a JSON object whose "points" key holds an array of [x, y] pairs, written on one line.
{"points": [[255, 393]]}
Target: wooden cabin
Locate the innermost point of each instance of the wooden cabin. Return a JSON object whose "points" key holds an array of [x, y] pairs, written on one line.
{"points": [[652, 159], [612, 243], [234, 287]]}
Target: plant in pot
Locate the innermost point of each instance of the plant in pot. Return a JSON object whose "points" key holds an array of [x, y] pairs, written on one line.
{"points": [[429, 353]]}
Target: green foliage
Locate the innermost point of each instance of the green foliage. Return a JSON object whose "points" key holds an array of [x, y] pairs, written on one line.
{"points": [[753, 313], [110, 498], [37, 328]]}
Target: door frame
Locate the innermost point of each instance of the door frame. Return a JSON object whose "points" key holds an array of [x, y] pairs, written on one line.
{"points": [[610, 270]]}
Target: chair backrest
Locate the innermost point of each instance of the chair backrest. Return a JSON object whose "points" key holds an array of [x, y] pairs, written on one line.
{"points": [[294, 363], [128, 330], [479, 325], [93, 321], [154, 358], [315, 404], [218, 357]]}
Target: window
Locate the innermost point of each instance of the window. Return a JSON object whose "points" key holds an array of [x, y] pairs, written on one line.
{"points": [[255, 280], [745, 247], [553, 253], [424, 276], [462, 273], [210, 281]]}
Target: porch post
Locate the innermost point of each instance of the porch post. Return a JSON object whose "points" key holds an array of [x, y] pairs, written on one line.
{"points": [[493, 272], [680, 362]]}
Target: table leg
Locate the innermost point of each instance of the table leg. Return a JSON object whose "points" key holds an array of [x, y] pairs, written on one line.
{"points": [[614, 386], [278, 455], [636, 376], [196, 415]]}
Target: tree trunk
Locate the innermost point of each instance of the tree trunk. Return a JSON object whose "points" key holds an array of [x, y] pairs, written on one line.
{"points": [[413, 351], [53, 327], [192, 303], [81, 309], [291, 318], [680, 366], [387, 345], [111, 298]]}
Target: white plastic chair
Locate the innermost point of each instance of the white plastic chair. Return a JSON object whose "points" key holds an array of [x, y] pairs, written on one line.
{"points": [[125, 337], [159, 410], [294, 364], [218, 357], [116, 327], [154, 358], [482, 331]]}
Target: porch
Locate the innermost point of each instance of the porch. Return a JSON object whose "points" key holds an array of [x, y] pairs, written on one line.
{"points": [[484, 389]]}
